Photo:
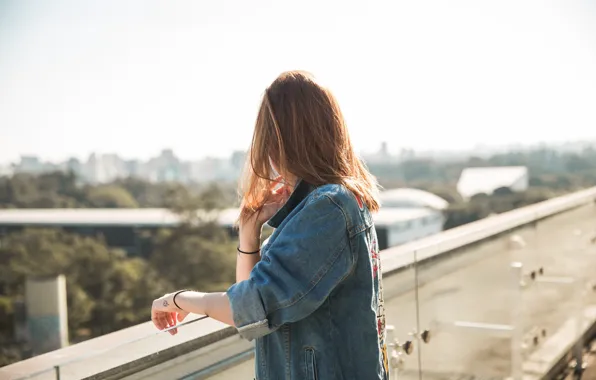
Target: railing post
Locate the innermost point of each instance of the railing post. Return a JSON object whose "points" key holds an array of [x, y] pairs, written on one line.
{"points": [[57, 370], [516, 320], [579, 308]]}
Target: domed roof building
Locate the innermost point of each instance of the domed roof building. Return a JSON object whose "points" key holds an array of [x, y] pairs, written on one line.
{"points": [[412, 198], [408, 214]]}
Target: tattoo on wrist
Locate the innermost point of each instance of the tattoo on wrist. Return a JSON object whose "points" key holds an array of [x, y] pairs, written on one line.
{"points": [[165, 303]]}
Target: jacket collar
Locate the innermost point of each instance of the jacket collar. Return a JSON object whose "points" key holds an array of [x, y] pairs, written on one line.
{"points": [[302, 190]]}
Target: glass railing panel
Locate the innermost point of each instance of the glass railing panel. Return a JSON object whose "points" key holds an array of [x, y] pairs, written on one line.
{"points": [[559, 296], [403, 349], [467, 304], [509, 306], [232, 353], [242, 370]]}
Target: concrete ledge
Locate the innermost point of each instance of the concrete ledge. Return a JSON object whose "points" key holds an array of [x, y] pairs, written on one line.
{"points": [[396, 258], [201, 363], [155, 358], [122, 352]]}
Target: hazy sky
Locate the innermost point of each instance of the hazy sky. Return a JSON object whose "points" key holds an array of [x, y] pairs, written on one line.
{"points": [[134, 77]]}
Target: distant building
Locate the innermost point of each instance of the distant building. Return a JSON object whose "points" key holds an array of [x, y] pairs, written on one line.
{"points": [[131, 229], [397, 226], [486, 180], [408, 214], [89, 169], [165, 167], [102, 168], [132, 168], [110, 167], [382, 156], [5, 170], [29, 164], [238, 159], [217, 169], [412, 198], [407, 154], [127, 229], [73, 165]]}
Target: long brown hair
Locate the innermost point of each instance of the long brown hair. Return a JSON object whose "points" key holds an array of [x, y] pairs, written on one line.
{"points": [[301, 129]]}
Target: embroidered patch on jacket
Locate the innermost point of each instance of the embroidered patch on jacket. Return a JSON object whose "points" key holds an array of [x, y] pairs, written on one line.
{"points": [[360, 204], [377, 276]]}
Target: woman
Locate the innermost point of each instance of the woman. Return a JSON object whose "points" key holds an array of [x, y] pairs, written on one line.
{"points": [[311, 296]]}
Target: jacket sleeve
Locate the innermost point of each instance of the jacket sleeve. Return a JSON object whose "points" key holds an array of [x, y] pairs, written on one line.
{"points": [[299, 269]]}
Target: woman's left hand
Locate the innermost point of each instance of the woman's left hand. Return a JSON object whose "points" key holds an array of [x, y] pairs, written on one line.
{"points": [[164, 313]]}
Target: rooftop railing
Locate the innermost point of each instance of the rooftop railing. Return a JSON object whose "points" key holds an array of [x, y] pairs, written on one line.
{"points": [[507, 296]]}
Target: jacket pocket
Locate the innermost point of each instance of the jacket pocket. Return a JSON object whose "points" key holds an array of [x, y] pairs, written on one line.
{"points": [[310, 364]]}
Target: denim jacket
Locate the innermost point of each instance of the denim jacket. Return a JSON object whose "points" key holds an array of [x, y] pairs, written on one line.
{"points": [[314, 302]]}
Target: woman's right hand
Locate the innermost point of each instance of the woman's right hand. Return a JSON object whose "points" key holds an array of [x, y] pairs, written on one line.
{"points": [[275, 200]]}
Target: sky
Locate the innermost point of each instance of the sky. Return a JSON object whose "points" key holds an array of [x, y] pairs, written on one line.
{"points": [[135, 77]]}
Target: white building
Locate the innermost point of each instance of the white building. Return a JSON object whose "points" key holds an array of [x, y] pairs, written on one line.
{"points": [[5, 170], [107, 217], [474, 181], [165, 167], [412, 198], [408, 214], [214, 169], [29, 164], [397, 226], [103, 168]]}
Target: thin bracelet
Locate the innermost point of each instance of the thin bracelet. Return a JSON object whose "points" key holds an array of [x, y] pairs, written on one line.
{"points": [[248, 253], [174, 298]]}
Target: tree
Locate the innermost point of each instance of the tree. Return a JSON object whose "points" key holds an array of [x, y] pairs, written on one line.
{"points": [[147, 194], [577, 163], [105, 289], [110, 196], [504, 190], [463, 213], [190, 258], [199, 253], [47, 190], [480, 198]]}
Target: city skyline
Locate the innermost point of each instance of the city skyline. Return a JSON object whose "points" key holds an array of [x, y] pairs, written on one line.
{"points": [[103, 168], [383, 147], [135, 77], [168, 166], [392, 149]]}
